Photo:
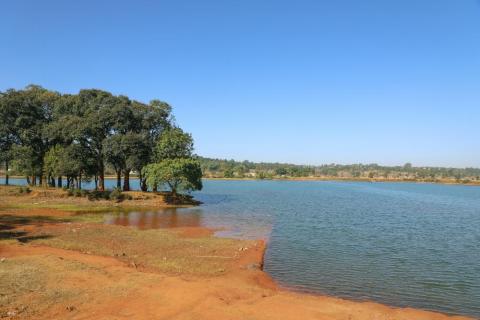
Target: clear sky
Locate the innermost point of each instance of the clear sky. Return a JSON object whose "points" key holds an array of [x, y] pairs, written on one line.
{"points": [[312, 82]]}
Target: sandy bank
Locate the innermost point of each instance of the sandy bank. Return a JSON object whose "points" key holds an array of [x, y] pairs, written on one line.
{"points": [[54, 266]]}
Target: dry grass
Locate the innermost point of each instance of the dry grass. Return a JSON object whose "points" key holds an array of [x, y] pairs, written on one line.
{"points": [[54, 198], [34, 284], [159, 250]]}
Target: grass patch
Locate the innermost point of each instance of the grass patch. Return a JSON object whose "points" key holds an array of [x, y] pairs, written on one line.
{"points": [[33, 285], [71, 207], [161, 250]]}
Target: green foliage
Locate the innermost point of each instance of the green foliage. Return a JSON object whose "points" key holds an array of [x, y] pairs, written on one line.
{"points": [[24, 116], [174, 143], [228, 173], [115, 194], [49, 135], [218, 168], [126, 152], [178, 174]]}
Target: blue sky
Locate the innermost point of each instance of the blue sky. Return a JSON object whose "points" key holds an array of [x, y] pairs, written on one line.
{"points": [[311, 82]]}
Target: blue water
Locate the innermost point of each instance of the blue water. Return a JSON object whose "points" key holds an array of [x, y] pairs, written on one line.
{"points": [[403, 244]]}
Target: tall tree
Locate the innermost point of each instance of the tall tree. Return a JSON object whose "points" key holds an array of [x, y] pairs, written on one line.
{"points": [[31, 109], [154, 118], [98, 124], [7, 132]]}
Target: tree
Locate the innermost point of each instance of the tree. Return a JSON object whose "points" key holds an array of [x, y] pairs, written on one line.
{"points": [[177, 174], [78, 135], [7, 132], [98, 121], [26, 162], [151, 121], [228, 173], [52, 164], [173, 144], [26, 113], [281, 171], [113, 152], [126, 152]]}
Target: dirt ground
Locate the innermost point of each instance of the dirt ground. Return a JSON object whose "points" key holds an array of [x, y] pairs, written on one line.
{"points": [[55, 264]]}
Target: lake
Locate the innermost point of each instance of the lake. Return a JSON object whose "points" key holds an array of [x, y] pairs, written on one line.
{"points": [[402, 244]]}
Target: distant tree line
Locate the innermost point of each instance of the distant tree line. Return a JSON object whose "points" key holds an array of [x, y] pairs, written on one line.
{"points": [[219, 168], [60, 140]]}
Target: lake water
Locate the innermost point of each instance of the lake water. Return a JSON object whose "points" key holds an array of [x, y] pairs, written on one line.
{"points": [[403, 244]]}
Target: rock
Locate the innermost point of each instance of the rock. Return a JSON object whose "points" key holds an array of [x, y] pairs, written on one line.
{"points": [[3, 259], [11, 313], [71, 308], [253, 266]]}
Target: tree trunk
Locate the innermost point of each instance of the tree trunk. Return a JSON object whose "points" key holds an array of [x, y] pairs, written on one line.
{"points": [[102, 175], [155, 188], [34, 180], [59, 182], [143, 184], [126, 180], [40, 180], [6, 172], [52, 181], [80, 181], [28, 180], [119, 179], [96, 182]]}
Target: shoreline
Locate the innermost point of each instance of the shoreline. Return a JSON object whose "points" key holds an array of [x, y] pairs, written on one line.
{"points": [[243, 287], [282, 288], [332, 179], [446, 182], [336, 307]]}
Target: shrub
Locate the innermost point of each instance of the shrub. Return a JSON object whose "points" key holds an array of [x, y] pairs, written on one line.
{"points": [[116, 194], [22, 190]]}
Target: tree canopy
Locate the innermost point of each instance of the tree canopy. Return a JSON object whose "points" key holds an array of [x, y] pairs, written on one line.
{"points": [[174, 164], [49, 137], [178, 174]]}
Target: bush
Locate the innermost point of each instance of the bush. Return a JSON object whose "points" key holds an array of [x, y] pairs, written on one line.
{"points": [[116, 194], [97, 195], [23, 190]]}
